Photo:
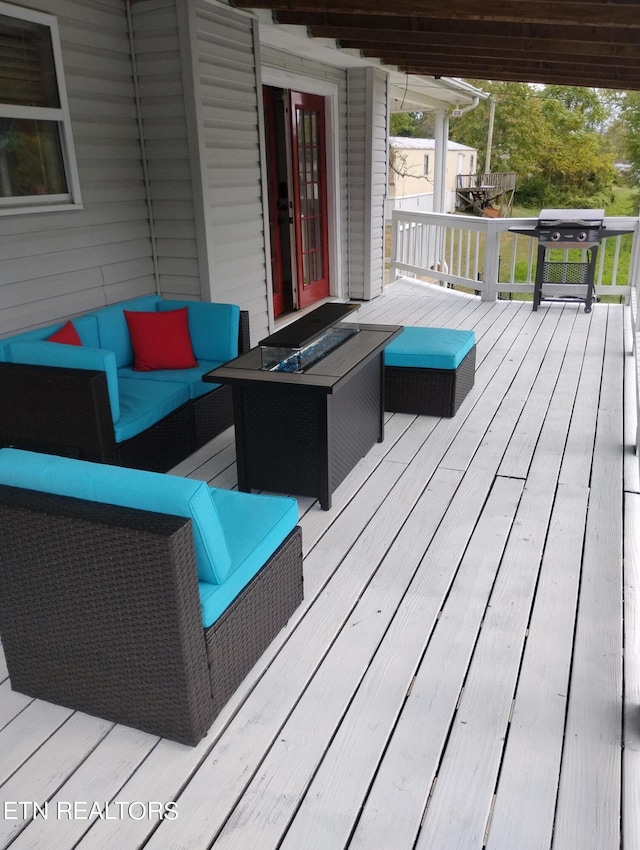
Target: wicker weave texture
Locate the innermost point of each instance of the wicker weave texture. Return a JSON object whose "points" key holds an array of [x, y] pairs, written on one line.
{"points": [[301, 440], [430, 392], [100, 612], [164, 444], [239, 637], [281, 439], [57, 410], [355, 413]]}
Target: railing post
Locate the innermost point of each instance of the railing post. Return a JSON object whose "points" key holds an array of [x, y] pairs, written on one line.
{"points": [[395, 226], [634, 300], [491, 263]]}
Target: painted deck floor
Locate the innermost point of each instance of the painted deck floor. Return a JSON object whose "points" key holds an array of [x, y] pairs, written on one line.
{"points": [[455, 678]]}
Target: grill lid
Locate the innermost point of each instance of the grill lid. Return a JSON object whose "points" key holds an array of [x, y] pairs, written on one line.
{"points": [[571, 218]]}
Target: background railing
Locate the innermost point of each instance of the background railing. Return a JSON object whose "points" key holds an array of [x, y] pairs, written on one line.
{"points": [[481, 256]]}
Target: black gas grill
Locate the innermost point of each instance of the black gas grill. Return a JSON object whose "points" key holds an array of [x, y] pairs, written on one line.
{"points": [[566, 229]]}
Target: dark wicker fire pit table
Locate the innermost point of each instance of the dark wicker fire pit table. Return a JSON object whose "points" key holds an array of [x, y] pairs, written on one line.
{"points": [[308, 403]]}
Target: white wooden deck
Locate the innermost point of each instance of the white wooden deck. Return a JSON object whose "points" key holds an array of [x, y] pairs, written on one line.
{"points": [[455, 677]]}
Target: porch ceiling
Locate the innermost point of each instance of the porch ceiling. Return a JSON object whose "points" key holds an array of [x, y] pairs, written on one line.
{"points": [[591, 43]]}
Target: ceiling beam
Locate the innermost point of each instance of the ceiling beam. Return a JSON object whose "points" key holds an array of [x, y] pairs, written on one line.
{"points": [[519, 72], [485, 54], [335, 24], [565, 42], [507, 49], [598, 13]]}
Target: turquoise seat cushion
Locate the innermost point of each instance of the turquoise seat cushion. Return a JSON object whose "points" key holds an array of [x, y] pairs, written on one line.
{"points": [[131, 488], [143, 403], [39, 353], [213, 328], [429, 348], [255, 525], [190, 378], [113, 329]]}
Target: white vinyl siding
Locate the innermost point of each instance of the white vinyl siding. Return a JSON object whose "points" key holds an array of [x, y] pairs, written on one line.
{"points": [[367, 161], [163, 97], [61, 264], [224, 129]]}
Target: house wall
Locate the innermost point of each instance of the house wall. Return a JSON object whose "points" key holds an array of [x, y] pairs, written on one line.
{"points": [[201, 106], [412, 190], [196, 76], [161, 90], [367, 169], [224, 125], [58, 264]]}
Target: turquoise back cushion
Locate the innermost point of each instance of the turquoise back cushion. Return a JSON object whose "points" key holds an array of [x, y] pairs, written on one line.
{"points": [[39, 353], [213, 328], [255, 525], [113, 330], [131, 488]]}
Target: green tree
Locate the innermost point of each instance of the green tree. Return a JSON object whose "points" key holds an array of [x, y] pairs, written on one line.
{"points": [[417, 125], [552, 137], [630, 117]]}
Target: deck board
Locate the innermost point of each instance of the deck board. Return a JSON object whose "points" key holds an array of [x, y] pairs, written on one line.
{"points": [[454, 677], [631, 752], [589, 795]]}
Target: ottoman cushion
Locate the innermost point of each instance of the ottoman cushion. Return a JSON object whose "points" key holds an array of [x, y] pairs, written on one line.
{"points": [[429, 348]]}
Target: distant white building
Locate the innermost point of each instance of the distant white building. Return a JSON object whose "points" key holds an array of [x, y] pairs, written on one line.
{"points": [[411, 173]]}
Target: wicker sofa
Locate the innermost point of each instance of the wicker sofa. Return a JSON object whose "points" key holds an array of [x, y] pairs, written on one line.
{"points": [[88, 401], [135, 596]]}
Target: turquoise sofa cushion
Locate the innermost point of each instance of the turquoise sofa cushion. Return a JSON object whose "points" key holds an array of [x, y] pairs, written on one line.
{"points": [[113, 330], [132, 488], [41, 353], [255, 525], [429, 348], [213, 328], [144, 402], [86, 326], [190, 378]]}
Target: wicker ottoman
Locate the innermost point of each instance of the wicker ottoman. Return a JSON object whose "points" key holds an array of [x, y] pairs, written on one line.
{"points": [[429, 370]]}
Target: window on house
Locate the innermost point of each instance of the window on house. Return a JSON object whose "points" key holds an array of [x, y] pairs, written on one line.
{"points": [[37, 161], [426, 165]]}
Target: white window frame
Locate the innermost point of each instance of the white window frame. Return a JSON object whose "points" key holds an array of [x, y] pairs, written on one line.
{"points": [[61, 115]]}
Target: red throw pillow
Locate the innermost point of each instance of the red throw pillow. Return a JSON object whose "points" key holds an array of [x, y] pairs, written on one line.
{"points": [[160, 340], [67, 334]]}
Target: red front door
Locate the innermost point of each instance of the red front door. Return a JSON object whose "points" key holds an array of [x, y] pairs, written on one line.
{"points": [[309, 197], [276, 203]]}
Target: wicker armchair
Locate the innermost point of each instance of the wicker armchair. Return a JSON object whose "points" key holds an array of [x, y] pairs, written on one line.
{"points": [[100, 612]]}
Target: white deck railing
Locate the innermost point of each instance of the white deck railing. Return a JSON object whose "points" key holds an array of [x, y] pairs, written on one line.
{"points": [[481, 255]]}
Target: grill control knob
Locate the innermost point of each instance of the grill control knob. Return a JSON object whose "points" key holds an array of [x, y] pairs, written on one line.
{"points": [[555, 236], [582, 236]]}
